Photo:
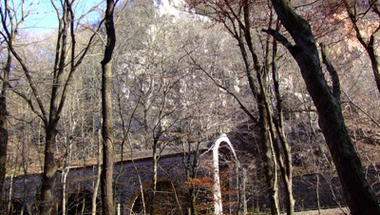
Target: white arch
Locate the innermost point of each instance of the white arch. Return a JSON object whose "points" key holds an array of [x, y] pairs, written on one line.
{"points": [[218, 204]]}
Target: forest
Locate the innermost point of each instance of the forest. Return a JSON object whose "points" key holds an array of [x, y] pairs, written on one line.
{"points": [[190, 107]]}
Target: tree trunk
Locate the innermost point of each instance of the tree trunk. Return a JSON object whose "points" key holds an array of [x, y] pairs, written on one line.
{"points": [[244, 193], [98, 176], [50, 168], [11, 192], [3, 124], [266, 146], [64, 190], [265, 115], [217, 191], [317, 192], [270, 164], [193, 202], [96, 188], [107, 127], [359, 196], [286, 166], [154, 182], [50, 125], [108, 149], [190, 162]]}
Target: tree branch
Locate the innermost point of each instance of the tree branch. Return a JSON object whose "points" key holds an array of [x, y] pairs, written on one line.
{"points": [[333, 73], [280, 38], [242, 106], [362, 110]]}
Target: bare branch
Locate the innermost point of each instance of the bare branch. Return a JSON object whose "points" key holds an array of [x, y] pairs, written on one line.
{"points": [[243, 107], [351, 101], [30, 104]]}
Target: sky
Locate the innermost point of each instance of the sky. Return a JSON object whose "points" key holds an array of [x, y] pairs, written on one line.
{"points": [[43, 18]]}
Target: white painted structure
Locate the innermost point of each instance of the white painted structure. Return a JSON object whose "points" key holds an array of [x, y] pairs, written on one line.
{"points": [[218, 204]]}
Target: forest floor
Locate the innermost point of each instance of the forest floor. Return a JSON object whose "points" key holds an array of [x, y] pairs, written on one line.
{"points": [[335, 211], [332, 211]]}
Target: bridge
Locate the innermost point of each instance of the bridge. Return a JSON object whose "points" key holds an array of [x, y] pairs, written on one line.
{"points": [[133, 177], [134, 174]]}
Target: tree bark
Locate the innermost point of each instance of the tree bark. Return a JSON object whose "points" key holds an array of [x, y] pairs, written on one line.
{"points": [[359, 196], [3, 124], [268, 155], [286, 166], [107, 127], [50, 168]]}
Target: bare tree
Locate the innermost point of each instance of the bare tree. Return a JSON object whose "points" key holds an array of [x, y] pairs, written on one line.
{"points": [[107, 127], [360, 198], [62, 73], [236, 17], [356, 15], [10, 23]]}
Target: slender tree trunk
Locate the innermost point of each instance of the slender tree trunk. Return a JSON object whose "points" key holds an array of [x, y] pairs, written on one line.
{"points": [[177, 198], [286, 166], [154, 182], [193, 202], [65, 173], [193, 192], [270, 163], [96, 188], [107, 128], [265, 115], [190, 162], [25, 165], [359, 196], [64, 190], [3, 124], [11, 192], [217, 191], [98, 176], [266, 145], [244, 192], [141, 190], [317, 191], [141, 186]]}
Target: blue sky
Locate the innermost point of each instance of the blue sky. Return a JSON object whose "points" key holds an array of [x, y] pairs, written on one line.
{"points": [[43, 17]]}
